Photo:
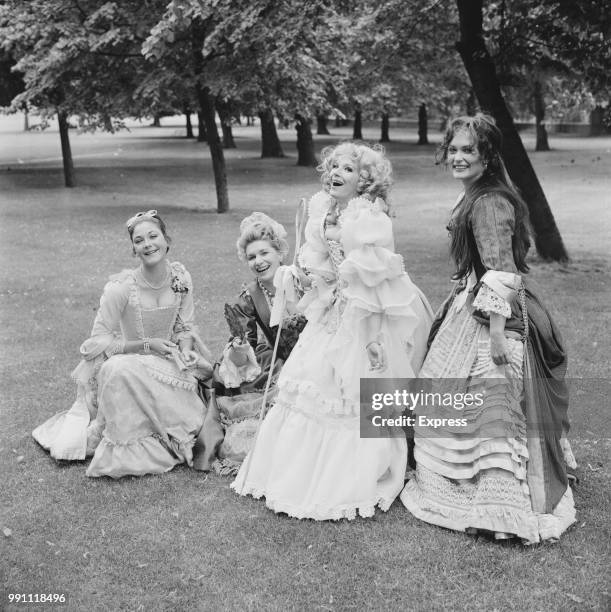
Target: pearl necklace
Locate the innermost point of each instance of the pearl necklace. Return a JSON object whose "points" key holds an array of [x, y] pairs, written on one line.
{"points": [[150, 285], [266, 292]]}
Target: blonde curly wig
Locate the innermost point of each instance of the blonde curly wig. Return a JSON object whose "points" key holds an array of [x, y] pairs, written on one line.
{"points": [[375, 169]]}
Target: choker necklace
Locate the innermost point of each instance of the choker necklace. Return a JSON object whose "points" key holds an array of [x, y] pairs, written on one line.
{"points": [[150, 285], [266, 292]]}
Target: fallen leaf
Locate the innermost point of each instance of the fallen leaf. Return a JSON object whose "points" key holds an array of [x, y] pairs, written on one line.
{"points": [[141, 565], [7, 532], [50, 543], [20, 459], [175, 514], [574, 598]]}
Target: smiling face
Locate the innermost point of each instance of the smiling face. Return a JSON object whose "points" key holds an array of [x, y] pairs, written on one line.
{"points": [[343, 178], [150, 245], [464, 158], [263, 260]]}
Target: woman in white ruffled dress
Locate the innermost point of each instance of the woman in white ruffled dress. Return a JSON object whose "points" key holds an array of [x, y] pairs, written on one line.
{"points": [[365, 319], [137, 409]]}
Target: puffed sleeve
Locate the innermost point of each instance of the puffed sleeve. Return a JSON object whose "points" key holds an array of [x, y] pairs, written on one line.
{"points": [[106, 333], [493, 225], [371, 266]]}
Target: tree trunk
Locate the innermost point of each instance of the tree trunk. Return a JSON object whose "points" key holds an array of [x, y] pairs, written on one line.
{"points": [[223, 108], [423, 125], [201, 127], [482, 73], [156, 120], [187, 112], [338, 121], [542, 143], [357, 129], [108, 124], [228, 141], [66, 151], [206, 103], [597, 126], [26, 119], [305, 142], [270, 143], [471, 102], [384, 137], [321, 125]]}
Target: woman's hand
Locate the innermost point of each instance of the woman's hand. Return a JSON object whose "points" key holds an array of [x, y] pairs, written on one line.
{"points": [[376, 356], [304, 281], [499, 349], [192, 359], [161, 346]]}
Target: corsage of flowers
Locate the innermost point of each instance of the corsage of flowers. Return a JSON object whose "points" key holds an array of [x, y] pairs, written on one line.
{"points": [[179, 281]]}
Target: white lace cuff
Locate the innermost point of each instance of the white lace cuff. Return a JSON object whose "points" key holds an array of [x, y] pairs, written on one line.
{"points": [[489, 301], [117, 346]]}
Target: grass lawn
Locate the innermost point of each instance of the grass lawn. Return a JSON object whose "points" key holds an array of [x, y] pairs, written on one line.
{"points": [[184, 541]]}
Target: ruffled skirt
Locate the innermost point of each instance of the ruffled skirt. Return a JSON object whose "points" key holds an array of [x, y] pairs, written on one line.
{"points": [[148, 417], [309, 460], [466, 480]]}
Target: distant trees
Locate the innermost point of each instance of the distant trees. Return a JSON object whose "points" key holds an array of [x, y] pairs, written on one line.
{"points": [[100, 62], [78, 60]]}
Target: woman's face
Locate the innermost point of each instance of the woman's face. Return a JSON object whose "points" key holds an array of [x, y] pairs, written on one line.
{"points": [[343, 178], [149, 243], [466, 161], [263, 260]]}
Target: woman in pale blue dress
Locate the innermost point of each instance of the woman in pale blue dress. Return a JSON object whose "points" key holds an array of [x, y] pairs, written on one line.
{"points": [[137, 409]]}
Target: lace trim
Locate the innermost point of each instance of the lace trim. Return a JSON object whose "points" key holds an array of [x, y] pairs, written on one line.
{"points": [[116, 347], [171, 379], [366, 509], [531, 527], [489, 301], [487, 489], [321, 402], [520, 522]]}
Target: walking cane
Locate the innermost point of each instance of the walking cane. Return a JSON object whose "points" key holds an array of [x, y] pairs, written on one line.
{"points": [[299, 221]]}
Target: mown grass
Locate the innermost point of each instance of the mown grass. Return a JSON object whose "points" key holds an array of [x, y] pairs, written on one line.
{"points": [[184, 540]]}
